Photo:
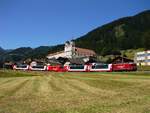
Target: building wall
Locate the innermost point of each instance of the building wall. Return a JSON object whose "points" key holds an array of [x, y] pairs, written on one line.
{"points": [[57, 55], [69, 49], [143, 58]]}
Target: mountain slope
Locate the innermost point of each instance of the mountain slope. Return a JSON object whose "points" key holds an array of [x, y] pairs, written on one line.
{"points": [[125, 33], [23, 53], [2, 51]]}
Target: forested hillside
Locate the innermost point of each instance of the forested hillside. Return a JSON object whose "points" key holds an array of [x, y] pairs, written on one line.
{"points": [[120, 35], [24, 53], [125, 33]]}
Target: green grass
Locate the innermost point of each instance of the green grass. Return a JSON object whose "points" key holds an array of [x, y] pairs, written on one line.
{"points": [[143, 68], [50, 92]]}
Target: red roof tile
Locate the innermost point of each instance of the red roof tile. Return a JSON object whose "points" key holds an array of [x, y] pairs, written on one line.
{"points": [[85, 51]]}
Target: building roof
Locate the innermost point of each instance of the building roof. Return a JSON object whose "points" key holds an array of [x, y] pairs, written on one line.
{"points": [[53, 61], [85, 51], [52, 54], [121, 60], [76, 61], [143, 52]]}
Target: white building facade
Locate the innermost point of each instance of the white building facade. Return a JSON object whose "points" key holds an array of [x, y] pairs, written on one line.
{"points": [[143, 58], [70, 51]]}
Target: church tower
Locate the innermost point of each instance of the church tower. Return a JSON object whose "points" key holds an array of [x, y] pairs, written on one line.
{"points": [[69, 49]]}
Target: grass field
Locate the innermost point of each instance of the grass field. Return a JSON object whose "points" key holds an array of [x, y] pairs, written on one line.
{"points": [[143, 68], [50, 92]]}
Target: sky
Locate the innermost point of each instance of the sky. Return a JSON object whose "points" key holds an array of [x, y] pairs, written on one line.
{"points": [[33, 23]]}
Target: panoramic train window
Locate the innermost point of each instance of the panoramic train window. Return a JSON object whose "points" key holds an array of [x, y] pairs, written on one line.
{"points": [[21, 66], [76, 66], [38, 66], [104, 66]]}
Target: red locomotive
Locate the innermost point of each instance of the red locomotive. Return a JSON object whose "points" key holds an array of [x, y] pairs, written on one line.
{"points": [[124, 67]]}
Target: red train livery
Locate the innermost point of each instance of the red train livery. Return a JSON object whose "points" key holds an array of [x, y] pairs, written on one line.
{"points": [[95, 67], [124, 67], [57, 68]]}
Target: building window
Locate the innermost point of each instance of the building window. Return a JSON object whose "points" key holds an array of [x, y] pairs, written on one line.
{"points": [[141, 55], [148, 54], [148, 60]]}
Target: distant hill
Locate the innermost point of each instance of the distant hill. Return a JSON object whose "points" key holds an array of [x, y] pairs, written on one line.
{"points": [[123, 34], [24, 53], [42, 51], [126, 33], [2, 51]]}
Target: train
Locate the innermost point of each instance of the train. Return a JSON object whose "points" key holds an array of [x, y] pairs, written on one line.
{"points": [[94, 67]]}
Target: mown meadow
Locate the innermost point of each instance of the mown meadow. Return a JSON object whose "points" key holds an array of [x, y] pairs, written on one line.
{"points": [[51, 92]]}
